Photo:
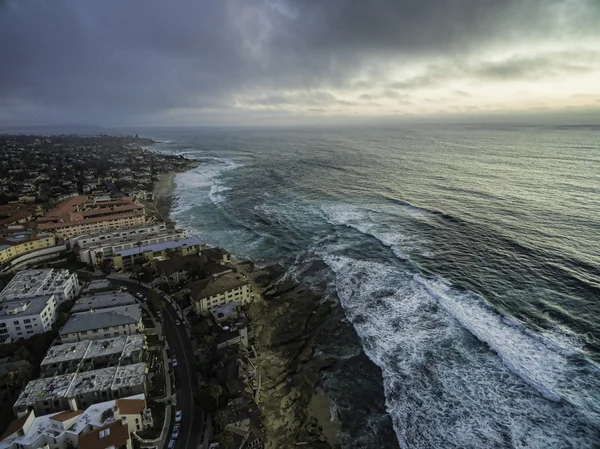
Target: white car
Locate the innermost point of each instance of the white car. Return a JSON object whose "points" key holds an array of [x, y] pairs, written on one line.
{"points": [[123, 288], [138, 295], [174, 361], [178, 415], [175, 433], [177, 323]]}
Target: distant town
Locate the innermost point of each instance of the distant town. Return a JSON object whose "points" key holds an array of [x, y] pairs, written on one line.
{"points": [[117, 329]]}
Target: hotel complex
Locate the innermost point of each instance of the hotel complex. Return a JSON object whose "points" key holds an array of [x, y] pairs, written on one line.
{"points": [[83, 215]]}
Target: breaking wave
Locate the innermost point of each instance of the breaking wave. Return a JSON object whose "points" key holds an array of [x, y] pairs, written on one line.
{"points": [[415, 330]]}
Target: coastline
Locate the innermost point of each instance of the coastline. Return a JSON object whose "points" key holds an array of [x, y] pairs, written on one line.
{"points": [[163, 191], [286, 321]]}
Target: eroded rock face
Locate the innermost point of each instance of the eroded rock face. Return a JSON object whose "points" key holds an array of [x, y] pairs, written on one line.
{"points": [[286, 323]]}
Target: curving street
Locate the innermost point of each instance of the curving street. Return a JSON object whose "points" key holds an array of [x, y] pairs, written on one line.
{"points": [[191, 430]]}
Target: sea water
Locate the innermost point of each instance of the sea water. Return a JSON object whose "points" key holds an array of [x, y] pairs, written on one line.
{"points": [[466, 260]]}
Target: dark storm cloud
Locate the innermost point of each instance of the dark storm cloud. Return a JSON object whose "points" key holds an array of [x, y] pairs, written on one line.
{"points": [[110, 61]]}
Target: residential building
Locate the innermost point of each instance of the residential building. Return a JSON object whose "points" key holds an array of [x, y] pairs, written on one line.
{"points": [[102, 300], [31, 283], [242, 419], [231, 332], [84, 241], [218, 290], [105, 425], [208, 262], [99, 253], [18, 244], [97, 286], [23, 318], [78, 390], [93, 354], [126, 258], [83, 215], [103, 323]]}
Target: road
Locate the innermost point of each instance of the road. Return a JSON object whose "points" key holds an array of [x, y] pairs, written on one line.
{"points": [[190, 433]]}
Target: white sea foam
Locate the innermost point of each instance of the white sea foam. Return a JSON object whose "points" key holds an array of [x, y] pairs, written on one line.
{"points": [[202, 184], [363, 220], [443, 389]]}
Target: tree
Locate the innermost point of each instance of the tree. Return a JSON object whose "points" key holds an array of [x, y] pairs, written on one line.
{"points": [[156, 301], [219, 419], [208, 397], [200, 329], [225, 439], [22, 353]]}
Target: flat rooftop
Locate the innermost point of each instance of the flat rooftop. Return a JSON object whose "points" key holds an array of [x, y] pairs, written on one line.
{"points": [[45, 389], [123, 345], [66, 352], [98, 319], [35, 282], [72, 384], [133, 230], [225, 311], [102, 301], [129, 376], [23, 307], [97, 285], [190, 241]]}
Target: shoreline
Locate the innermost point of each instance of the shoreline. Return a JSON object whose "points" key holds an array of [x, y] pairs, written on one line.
{"points": [[163, 191], [294, 411]]}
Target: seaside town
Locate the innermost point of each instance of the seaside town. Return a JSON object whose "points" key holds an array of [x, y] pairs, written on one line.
{"points": [[119, 330]]}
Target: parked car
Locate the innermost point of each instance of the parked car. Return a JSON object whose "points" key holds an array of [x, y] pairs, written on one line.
{"points": [[174, 361], [171, 444], [178, 415], [175, 433]]}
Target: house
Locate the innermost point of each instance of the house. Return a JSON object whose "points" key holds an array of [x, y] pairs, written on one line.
{"points": [[231, 332], [105, 425], [242, 419], [179, 269], [103, 323], [219, 289]]}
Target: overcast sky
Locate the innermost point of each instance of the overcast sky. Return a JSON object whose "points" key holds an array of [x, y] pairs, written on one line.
{"points": [[203, 62]]}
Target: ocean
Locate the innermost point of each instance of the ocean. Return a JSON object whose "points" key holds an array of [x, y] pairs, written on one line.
{"points": [[466, 259]]}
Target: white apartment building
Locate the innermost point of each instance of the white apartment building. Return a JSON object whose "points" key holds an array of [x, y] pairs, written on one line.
{"points": [[73, 391], [23, 318], [31, 283], [218, 290], [104, 425], [83, 241], [103, 323], [96, 254]]}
